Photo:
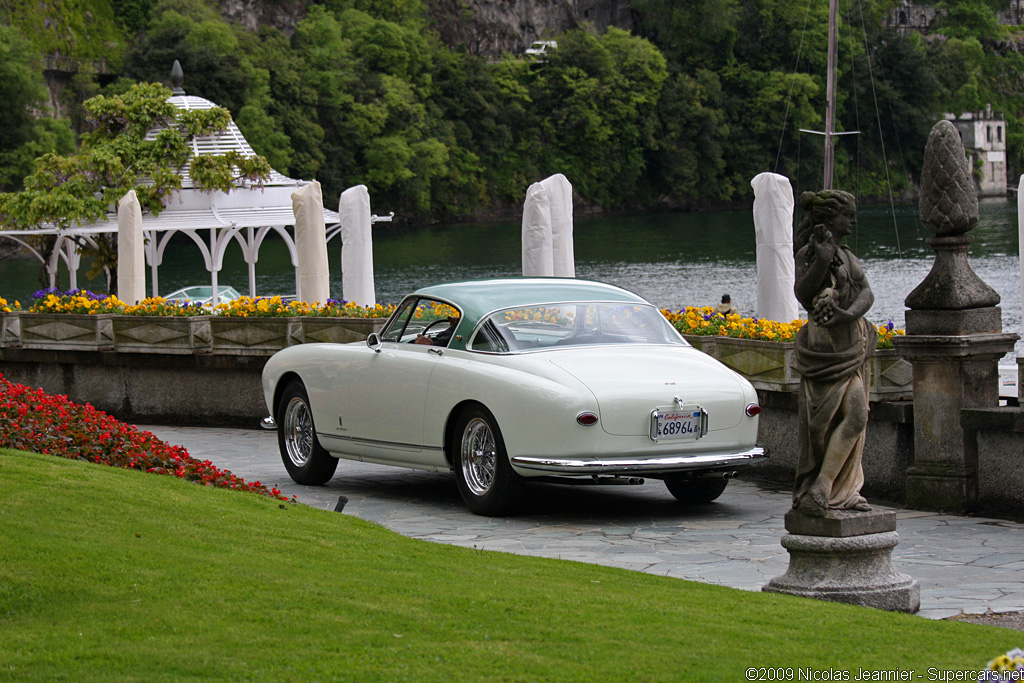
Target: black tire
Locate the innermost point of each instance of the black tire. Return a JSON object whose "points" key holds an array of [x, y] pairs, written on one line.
{"points": [[696, 490], [305, 459], [486, 480]]}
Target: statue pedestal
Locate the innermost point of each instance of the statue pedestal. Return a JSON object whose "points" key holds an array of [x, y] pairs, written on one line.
{"points": [[845, 557]]}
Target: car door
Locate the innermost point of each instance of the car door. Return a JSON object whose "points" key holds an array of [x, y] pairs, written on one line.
{"points": [[388, 390]]}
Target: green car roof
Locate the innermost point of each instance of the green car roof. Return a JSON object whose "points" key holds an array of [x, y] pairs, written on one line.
{"points": [[477, 298]]}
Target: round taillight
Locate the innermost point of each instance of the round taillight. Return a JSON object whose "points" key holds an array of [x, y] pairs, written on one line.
{"points": [[587, 419], [753, 409]]}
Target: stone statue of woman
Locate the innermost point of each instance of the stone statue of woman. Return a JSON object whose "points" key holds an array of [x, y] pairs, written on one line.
{"points": [[832, 351]]}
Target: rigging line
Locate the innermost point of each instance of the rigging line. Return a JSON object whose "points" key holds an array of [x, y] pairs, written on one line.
{"points": [[789, 95], [881, 137], [856, 114]]}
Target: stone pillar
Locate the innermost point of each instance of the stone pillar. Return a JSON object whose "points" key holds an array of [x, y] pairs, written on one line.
{"points": [[954, 334]]}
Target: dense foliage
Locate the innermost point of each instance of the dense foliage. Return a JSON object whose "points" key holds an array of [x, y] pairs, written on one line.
{"points": [[389, 93]]}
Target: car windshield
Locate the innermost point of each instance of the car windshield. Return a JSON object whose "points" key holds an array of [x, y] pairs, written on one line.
{"points": [[572, 324]]}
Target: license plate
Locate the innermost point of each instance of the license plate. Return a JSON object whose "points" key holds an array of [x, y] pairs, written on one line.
{"points": [[689, 422]]}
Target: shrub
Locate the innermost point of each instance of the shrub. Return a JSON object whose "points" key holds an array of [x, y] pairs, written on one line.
{"points": [[36, 421]]}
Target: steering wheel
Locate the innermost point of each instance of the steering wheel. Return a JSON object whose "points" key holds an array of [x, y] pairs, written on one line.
{"points": [[427, 328]]}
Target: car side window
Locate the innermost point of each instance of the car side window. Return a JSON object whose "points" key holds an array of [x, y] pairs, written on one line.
{"points": [[423, 321], [489, 338], [394, 331]]}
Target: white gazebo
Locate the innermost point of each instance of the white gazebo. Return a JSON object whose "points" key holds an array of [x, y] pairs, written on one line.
{"points": [[212, 220]]}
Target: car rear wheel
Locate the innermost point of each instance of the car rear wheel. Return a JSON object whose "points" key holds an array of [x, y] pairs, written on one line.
{"points": [[699, 490], [303, 456], [486, 480]]}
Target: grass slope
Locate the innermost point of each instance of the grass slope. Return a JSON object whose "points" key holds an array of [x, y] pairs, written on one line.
{"points": [[107, 574]]}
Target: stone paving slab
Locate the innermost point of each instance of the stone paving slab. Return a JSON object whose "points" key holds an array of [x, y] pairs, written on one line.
{"points": [[964, 564]]}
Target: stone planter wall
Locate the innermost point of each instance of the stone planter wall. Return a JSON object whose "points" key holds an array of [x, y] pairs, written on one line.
{"points": [[253, 336], [769, 366], [10, 329], [338, 330], [152, 334], [64, 331], [176, 335]]}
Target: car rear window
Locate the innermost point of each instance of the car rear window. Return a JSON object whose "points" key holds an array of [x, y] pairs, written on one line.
{"points": [[572, 324]]}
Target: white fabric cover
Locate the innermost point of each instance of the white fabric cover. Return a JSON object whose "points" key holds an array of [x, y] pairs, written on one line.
{"points": [[356, 246], [560, 199], [131, 260], [1020, 232], [773, 227], [547, 229], [537, 259], [313, 277]]}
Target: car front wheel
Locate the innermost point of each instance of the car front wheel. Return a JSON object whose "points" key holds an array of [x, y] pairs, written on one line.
{"points": [[305, 459], [698, 490], [486, 480]]}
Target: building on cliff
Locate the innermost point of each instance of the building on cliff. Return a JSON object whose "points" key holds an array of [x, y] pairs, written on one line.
{"points": [[984, 136]]}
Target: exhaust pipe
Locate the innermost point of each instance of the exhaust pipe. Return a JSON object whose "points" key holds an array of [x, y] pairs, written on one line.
{"points": [[731, 474]]}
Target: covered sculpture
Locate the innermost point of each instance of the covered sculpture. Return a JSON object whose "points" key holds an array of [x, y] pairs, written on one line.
{"points": [[773, 228], [547, 229], [832, 352], [311, 244], [356, 246], [131, 261]]}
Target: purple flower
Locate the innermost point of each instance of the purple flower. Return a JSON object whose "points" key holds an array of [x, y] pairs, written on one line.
{"points": [[43, 293], [890, 325]]}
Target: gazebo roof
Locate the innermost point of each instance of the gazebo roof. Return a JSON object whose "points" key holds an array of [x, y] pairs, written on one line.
{"points": [[193, 209], [231, 140]]}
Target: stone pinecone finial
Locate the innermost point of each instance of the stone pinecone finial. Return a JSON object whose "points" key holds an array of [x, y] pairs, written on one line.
{"points": [[177, 78], [949, 200]]}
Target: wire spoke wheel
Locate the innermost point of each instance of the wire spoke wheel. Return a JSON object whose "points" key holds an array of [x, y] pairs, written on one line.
{"points": [[305, 459], [298, 432], [486, 480], [478, 456]]}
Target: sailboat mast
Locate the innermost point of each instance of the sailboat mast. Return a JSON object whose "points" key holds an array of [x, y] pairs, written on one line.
{"points": [[830, 93]]}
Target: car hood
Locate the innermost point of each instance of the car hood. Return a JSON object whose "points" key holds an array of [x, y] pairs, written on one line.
{"points": [[631, 382]]}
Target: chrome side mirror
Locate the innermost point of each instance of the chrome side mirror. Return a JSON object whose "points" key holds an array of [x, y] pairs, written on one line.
{"points": [[374, 342]]}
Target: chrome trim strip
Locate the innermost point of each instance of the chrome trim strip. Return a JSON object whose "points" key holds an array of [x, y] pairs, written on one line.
{"points": [[675, 463], [377, 442]]}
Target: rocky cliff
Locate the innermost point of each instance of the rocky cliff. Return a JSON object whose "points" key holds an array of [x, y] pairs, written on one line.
{"points": [[492, 27], [484, 27]]}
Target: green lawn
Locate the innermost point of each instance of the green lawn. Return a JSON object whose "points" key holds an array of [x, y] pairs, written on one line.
{"points": [[109, 574]]}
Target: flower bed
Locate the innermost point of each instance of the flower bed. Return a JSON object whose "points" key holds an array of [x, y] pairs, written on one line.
{"points": [[52, 425], [83, 320], [762, 351], [694, 321]]}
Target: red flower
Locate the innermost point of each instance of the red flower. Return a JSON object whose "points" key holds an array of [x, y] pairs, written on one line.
{"points": [[53, 425]]}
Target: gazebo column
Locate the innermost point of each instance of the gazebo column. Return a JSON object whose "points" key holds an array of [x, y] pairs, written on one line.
{"points": [[214, 265], [152, 252], [252, 254]]}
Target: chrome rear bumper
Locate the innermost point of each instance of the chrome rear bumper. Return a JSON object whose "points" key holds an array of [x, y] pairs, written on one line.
{"points": [[676, 463]]}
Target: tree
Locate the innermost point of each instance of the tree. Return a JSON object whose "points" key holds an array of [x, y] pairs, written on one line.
{"points": [[598, 95], [118, 155], [24, 136]]}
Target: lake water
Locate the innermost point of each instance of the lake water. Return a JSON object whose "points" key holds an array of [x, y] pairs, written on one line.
{"points": [[673, 260]]}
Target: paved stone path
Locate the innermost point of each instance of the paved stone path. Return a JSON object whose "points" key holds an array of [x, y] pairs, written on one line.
{"points": [[964, 564]]}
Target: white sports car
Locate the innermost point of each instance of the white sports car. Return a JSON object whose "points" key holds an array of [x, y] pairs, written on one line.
{"points": [[506, 381]]}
